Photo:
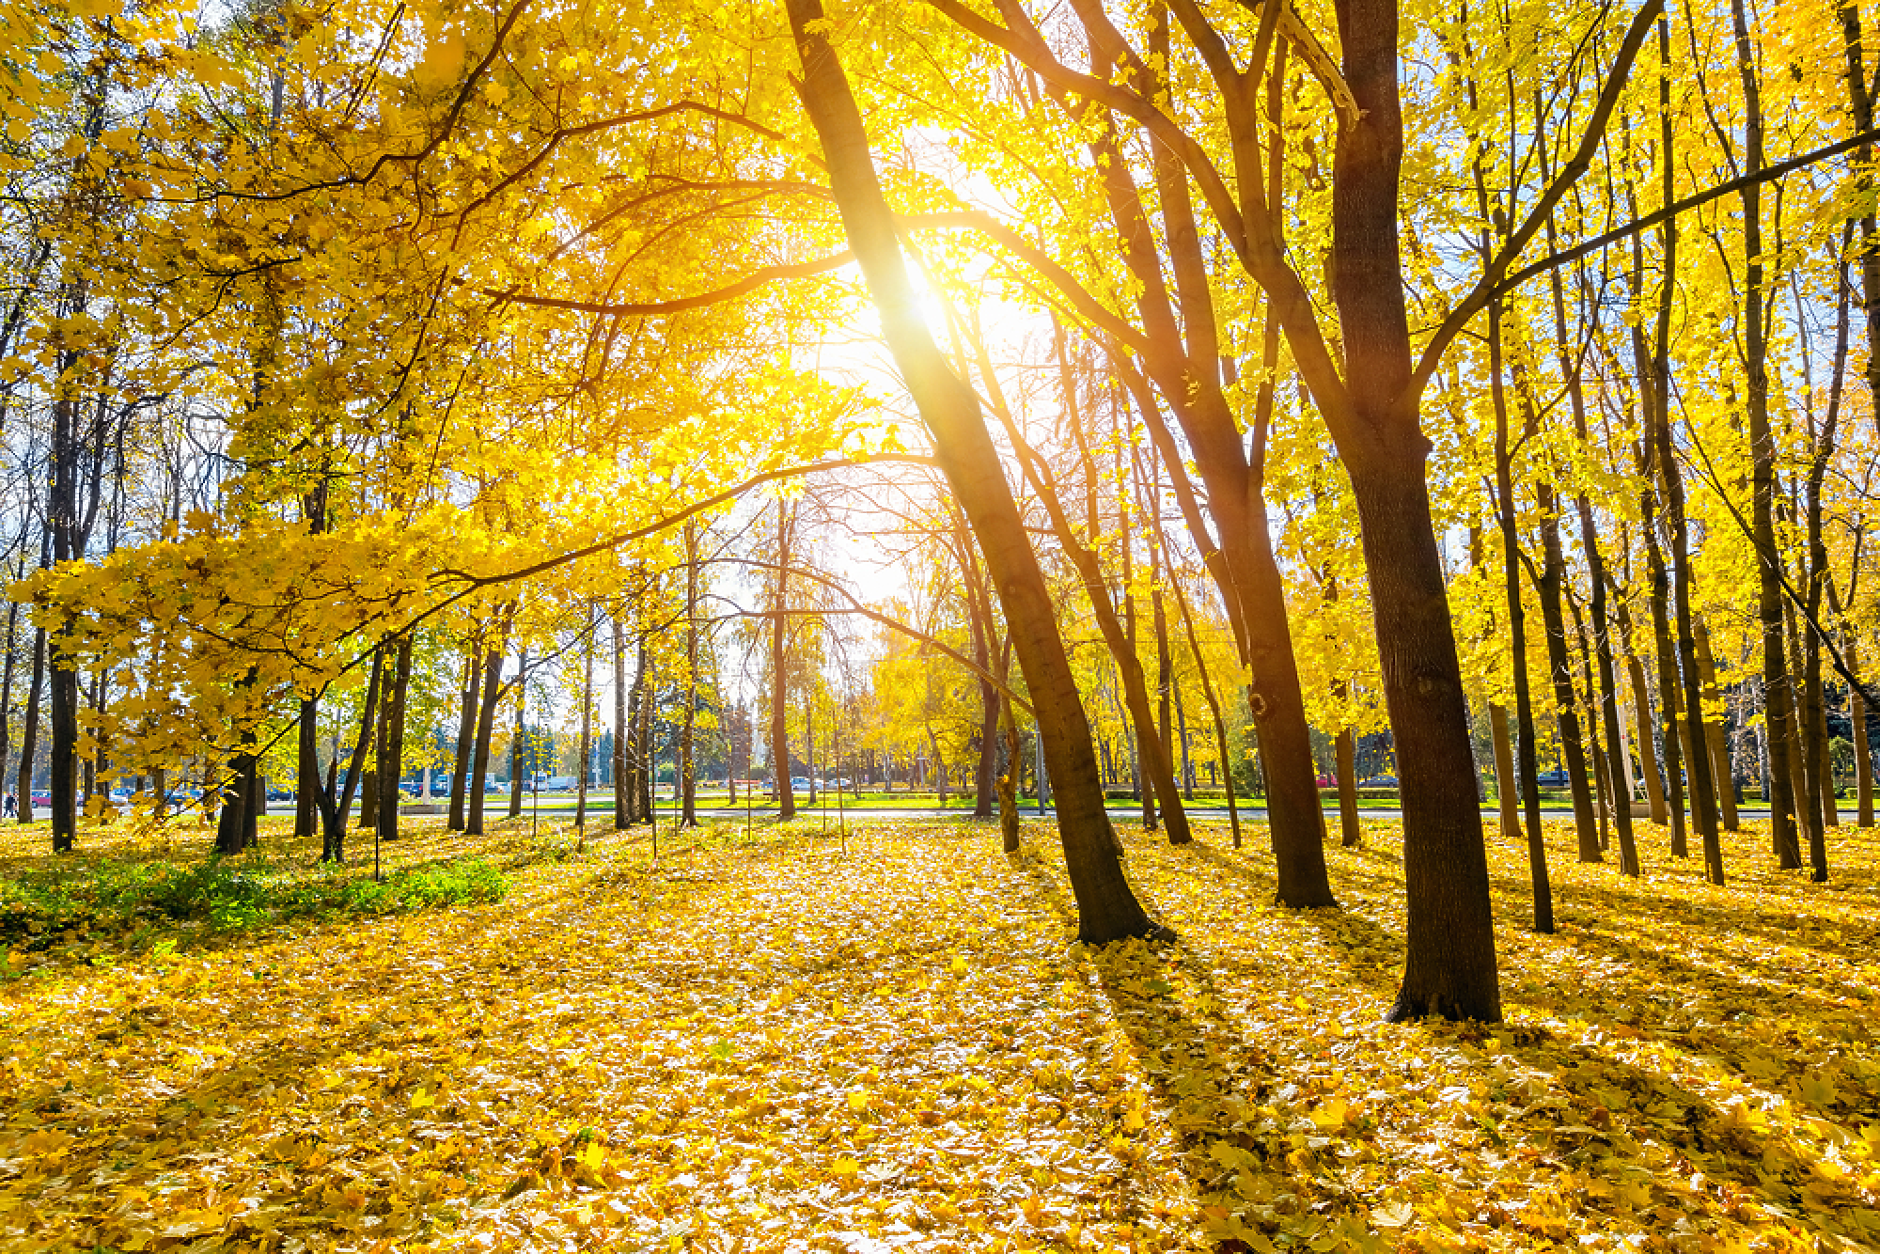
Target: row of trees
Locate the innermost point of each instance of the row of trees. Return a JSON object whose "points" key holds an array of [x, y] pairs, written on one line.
{"points": [[1252, 369]]}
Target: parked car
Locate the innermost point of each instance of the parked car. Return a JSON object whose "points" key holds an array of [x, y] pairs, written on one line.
{"points": [[799, 781], [42, 799], [1379, 781], [1552, 779]]}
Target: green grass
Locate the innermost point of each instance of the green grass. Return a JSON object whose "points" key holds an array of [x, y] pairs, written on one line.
{"points": [[224, 894]]}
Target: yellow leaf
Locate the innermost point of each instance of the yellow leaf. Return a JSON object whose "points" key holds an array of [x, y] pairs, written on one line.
{"points": [[1393, 1214]]}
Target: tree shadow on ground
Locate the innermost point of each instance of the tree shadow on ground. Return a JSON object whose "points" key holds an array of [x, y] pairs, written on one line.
{"points": [[1631, 1138], [1210, 1080]]}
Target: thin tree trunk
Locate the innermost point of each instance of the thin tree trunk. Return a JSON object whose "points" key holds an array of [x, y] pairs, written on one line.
{"points": [[468, 704], [392, 745], [688, 717], [520, 735], [29, 734], [1714, 734], [1779, 713], [1346, 754], [779, 667], [1507, 786], [1863, 751], [623, 796], [1107, 907], [1214, 711], [1529, 764], [488, 700], [587, 730]]}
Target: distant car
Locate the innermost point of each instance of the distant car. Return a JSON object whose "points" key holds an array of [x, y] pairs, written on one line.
{"points": [[799, 781], [1380, 781], [1326, 781], [42, 799], [1551, 779]]}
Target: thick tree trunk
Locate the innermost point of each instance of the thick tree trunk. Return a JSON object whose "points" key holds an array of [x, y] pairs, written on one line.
{"points": [[308, 784], [1450, 963], [234, 830], [1107, 907], [1450, 967]]}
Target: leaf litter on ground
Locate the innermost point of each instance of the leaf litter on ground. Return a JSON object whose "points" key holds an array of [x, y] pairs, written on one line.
{"points": [[794, 1043]]}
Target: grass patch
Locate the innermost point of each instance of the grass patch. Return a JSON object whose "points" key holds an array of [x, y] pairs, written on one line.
{"points": [[39, 905]]}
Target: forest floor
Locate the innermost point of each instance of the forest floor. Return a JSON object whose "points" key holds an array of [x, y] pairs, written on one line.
{"points": [[800, 1042]]}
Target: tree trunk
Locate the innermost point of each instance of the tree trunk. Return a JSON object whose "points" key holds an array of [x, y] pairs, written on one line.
{"points": [[1450, 963], [642, 766], [688, 717], [466, 733], [1560, 662], [6, 692], [392, 745], [1351, 830], [1507, 786], [29, 727], [623, 795], [587, 731], [779, 667], [1715, 737], [490, 698], [521, 733], [308, 784], [1780, 718], [1107, 907], [1528, 767], [1214, 711], [1863, 751], [1014, 748]]}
